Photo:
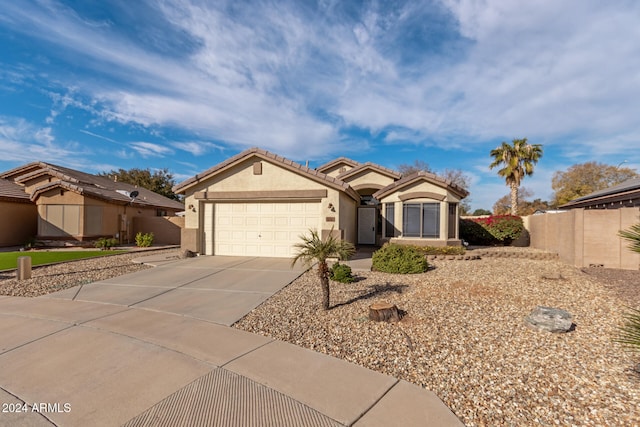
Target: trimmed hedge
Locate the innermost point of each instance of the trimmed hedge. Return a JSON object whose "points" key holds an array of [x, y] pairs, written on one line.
{"points": [[492, 230], [441, 250], [399, 259]]}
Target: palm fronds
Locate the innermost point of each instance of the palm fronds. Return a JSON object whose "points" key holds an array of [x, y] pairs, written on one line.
{"points": [[629, 333], [633, 236]]}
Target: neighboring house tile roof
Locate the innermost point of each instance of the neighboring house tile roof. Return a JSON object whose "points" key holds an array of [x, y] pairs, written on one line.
{"points": [[12, 192], [369, 166], [98, 187], [274, 158], [420, 176], [337, 161], [625, 191]]}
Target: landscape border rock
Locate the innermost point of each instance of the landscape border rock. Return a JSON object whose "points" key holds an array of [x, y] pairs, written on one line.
{"points": [[550, 319]]}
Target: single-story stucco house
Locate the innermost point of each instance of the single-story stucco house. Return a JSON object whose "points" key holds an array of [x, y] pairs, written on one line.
{"points": [[73, 206], [623, 195], [257, 203]]}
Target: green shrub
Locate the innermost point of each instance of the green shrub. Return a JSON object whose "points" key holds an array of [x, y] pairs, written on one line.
{"points": [[341, 273], [492, 230], [144, 240], [394, 258], [475, 234], [105, 243], [629, 333]]}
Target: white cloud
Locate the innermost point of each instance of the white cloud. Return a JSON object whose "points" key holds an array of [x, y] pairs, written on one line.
{"points": [[292, 78], [197, 148], [148, 149], [25, 142]]}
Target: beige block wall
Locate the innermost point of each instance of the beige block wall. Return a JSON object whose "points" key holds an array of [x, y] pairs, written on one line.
{"points": [[18, 223], [586, 237], [166, 229]]}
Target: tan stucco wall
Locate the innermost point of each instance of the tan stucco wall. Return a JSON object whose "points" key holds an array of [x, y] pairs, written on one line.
{"points": [[31, 184], [586, 237], [110, 217], [421, 186], [241, 178], [369, 176], [348, 214], [335, 170], [18, 223], [166, 229]]}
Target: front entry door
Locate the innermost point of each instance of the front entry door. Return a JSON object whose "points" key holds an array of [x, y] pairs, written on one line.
{"points": [[366, 226]]}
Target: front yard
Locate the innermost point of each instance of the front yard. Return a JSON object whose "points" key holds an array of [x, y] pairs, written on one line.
{"points": [[465, 339], [9, 260]]}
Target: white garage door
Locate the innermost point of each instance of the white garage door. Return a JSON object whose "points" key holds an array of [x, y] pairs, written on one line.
{"points": [[258, 229]]}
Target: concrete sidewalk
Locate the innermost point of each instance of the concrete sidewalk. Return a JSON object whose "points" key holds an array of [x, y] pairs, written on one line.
{"points": [[109, 363]]}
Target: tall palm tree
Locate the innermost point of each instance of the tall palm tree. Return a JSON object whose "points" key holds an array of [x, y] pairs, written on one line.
{"points": [[516, 160], [314, 249]]}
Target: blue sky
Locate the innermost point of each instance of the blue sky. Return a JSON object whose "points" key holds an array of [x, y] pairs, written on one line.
{"points": [[184, 84]]}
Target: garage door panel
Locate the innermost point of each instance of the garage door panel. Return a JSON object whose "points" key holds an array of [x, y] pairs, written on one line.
{"points": [[260, 229]]}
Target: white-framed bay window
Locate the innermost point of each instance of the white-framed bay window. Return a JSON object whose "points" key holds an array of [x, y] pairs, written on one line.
{"points": [[421, 220]]}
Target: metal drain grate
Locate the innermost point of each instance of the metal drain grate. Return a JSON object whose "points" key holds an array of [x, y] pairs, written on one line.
{"points": [[223, 398]]}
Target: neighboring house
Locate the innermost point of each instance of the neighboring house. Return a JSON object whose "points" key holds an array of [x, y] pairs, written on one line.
{"points": [[18, 215], [76, 206], [623, 195], [258, 204]]}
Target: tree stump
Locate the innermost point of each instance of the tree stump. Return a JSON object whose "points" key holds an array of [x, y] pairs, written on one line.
{"points": [[383, 312]]}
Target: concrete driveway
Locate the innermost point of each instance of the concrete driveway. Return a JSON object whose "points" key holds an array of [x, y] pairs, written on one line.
{"points": [[217, 289], [151, 348]]}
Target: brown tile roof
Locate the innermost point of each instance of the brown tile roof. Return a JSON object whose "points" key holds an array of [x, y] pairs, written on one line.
{"points": [[421, 176], [274, 158], [89, 185], [627, 191], [12, 192], [371, 166], [337, 161]]}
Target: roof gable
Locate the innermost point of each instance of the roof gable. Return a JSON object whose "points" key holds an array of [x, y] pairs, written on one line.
{"points": [[417, 177], [337, 163], [271, 158], [369, 167], [86, 184]]}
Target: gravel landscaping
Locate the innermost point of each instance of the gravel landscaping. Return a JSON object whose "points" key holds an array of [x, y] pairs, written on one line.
{"points": [[464, 338], [53, 278], [463, 335]]}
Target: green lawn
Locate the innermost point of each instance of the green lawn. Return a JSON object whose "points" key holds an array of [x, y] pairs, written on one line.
{"points": [[10, 259]]}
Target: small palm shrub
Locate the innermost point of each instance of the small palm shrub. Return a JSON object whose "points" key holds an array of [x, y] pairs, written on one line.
{"points": [[144, 240], [632, 235], [313, 248], [629, 333], [341, 273], [394, 258]]}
